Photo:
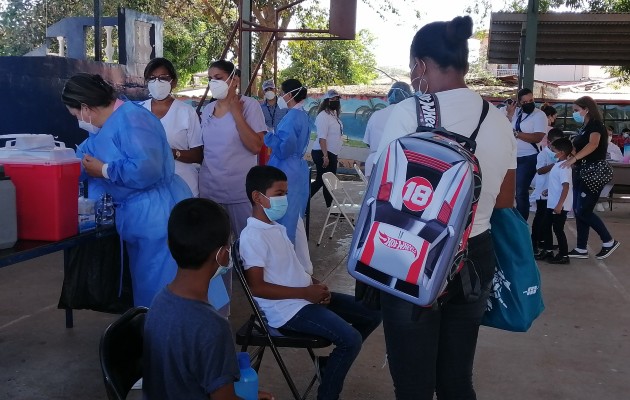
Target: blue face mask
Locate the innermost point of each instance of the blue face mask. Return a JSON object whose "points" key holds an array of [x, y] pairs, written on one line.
{"points": [[222, 269], [278, 207], [577, 117]]}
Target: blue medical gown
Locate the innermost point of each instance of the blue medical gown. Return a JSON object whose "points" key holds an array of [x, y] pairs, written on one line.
{"points": [[288, 146], [144, 186]]}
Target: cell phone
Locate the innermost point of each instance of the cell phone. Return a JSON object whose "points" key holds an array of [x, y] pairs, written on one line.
{"points": [[508, 101]]}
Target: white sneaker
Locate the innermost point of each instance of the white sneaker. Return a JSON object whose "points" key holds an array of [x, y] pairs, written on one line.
{"points": [[137, 385], [600, 207]]}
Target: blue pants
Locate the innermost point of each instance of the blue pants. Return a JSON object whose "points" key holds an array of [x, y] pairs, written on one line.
{"points": [[584, 203], [432, 350], [346, 323], [525, 172]]}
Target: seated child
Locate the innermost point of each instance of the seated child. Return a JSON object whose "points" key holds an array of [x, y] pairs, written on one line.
{"points": [[544, 162], [188, 348], [290, 298], [559, 202]]}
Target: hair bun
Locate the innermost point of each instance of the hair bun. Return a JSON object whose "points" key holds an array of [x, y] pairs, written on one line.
{"points": [[460, 29]]}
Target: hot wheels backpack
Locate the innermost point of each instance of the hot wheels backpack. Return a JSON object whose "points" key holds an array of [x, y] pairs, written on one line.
{"points": [[417, 213]]}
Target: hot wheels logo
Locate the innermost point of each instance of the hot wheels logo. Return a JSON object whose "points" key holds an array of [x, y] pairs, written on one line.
{"points": [[397, 244]]}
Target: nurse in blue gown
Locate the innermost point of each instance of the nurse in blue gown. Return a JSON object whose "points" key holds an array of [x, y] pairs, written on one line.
{"points": [[127, 155], [288, 145]]}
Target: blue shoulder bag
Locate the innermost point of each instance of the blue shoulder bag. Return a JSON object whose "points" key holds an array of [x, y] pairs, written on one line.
{"points": [[515, 299]]}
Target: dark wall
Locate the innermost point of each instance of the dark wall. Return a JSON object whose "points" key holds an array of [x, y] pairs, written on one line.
{"points": [[31, 94]]}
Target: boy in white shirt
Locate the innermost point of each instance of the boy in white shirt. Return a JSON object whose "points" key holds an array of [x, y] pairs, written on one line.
{"points": [[559, 202], [544, 162], [289, 297]]}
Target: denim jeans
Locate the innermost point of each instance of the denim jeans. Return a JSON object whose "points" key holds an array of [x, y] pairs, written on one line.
{"points": [[346, 323], [318, 160], [525, 172], [433, 350], [584, 202], [556, 222]]}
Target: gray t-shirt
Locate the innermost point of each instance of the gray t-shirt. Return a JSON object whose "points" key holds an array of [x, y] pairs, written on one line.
{"points": [[188, 349]]}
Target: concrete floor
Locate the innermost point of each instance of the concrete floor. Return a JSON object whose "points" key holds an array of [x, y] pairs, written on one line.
{"points": [[579, 349]]}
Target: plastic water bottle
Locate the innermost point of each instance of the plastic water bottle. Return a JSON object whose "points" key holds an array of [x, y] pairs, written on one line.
{"points": [[246, 387], [8, 212], [105, 210]]}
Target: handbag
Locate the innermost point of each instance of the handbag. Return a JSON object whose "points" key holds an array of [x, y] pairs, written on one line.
{"points": [[596, 175], [515, 299]]}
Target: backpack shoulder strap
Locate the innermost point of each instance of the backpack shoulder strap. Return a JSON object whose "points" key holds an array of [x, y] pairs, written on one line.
{"points": [[427, 112], [484, 112]]}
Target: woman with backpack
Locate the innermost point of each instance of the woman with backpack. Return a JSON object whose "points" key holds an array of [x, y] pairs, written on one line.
{"points": [[431, 350]]}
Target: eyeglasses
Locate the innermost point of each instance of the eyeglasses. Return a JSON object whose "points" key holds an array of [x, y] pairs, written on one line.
{"points": [[161, 78]]}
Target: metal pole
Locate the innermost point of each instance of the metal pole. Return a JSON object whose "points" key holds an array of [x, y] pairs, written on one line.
{"points": [[97, 30], [245, 56], [529, 61]]}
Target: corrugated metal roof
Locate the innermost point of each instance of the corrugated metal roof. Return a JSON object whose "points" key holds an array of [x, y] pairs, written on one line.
{"points": [[563, 38]]}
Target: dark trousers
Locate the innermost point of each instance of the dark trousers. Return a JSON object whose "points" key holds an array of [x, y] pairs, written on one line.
{"points": [[345, 322], [556, 222], [525, 172], [318, 160], [538, 224], [584, 203], [432, 350]]}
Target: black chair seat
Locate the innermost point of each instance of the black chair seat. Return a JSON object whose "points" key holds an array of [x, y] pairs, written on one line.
{"points": [[256, 337]]}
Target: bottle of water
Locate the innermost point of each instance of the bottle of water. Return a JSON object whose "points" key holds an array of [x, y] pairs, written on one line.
{"points": [[105, 210], [246, 387]]}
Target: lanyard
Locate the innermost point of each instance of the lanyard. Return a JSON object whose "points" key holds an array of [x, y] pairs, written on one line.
{"points": [[519, 120], [273, 116]]}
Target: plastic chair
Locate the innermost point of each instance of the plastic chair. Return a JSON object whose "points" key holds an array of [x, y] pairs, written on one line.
{"points": [[342, 205], [121, 353], [361, 174], [256, 333]]}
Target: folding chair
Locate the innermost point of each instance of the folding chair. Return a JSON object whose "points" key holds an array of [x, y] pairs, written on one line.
{"points": [[361, 175], [121, 353], [346, 208], [256, 333]]}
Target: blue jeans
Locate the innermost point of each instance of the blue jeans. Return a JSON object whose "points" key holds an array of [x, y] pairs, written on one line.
{"points": [[584, 203], [346, 323], [525, 172], [432, 350]]}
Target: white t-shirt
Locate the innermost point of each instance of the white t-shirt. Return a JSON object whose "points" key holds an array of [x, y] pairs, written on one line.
{"points": [[496, 147], [328, 127], [373, 134], [183, 132], [530, 123], [544, 158], [267, 246], [558, 176], [613, 153]]}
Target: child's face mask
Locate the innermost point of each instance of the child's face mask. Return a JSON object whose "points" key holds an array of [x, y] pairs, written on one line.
{"points": [[278, 207]]}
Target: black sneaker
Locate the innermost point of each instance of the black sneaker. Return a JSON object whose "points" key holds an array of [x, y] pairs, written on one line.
{"points": [[578, 254], [607, 251], [544, 255], [558, 259]]}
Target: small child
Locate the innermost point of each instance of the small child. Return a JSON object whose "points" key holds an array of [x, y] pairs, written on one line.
{"points": [[289, 297], [559, 202], [188, 347], [544, 162]]}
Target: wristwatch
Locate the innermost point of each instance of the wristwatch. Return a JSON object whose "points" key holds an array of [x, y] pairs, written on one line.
{"points": [[177, 154]]}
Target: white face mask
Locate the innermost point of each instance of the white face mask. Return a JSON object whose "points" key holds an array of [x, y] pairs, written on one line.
{"points": [[219, 88], [282, 103], [609, 139], [270, 95], [93, 129], [159, 90]]}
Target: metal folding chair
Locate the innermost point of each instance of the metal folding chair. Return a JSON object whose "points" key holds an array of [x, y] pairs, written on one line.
{"points": [[360, 173], [342, 205], [256, 333]]}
